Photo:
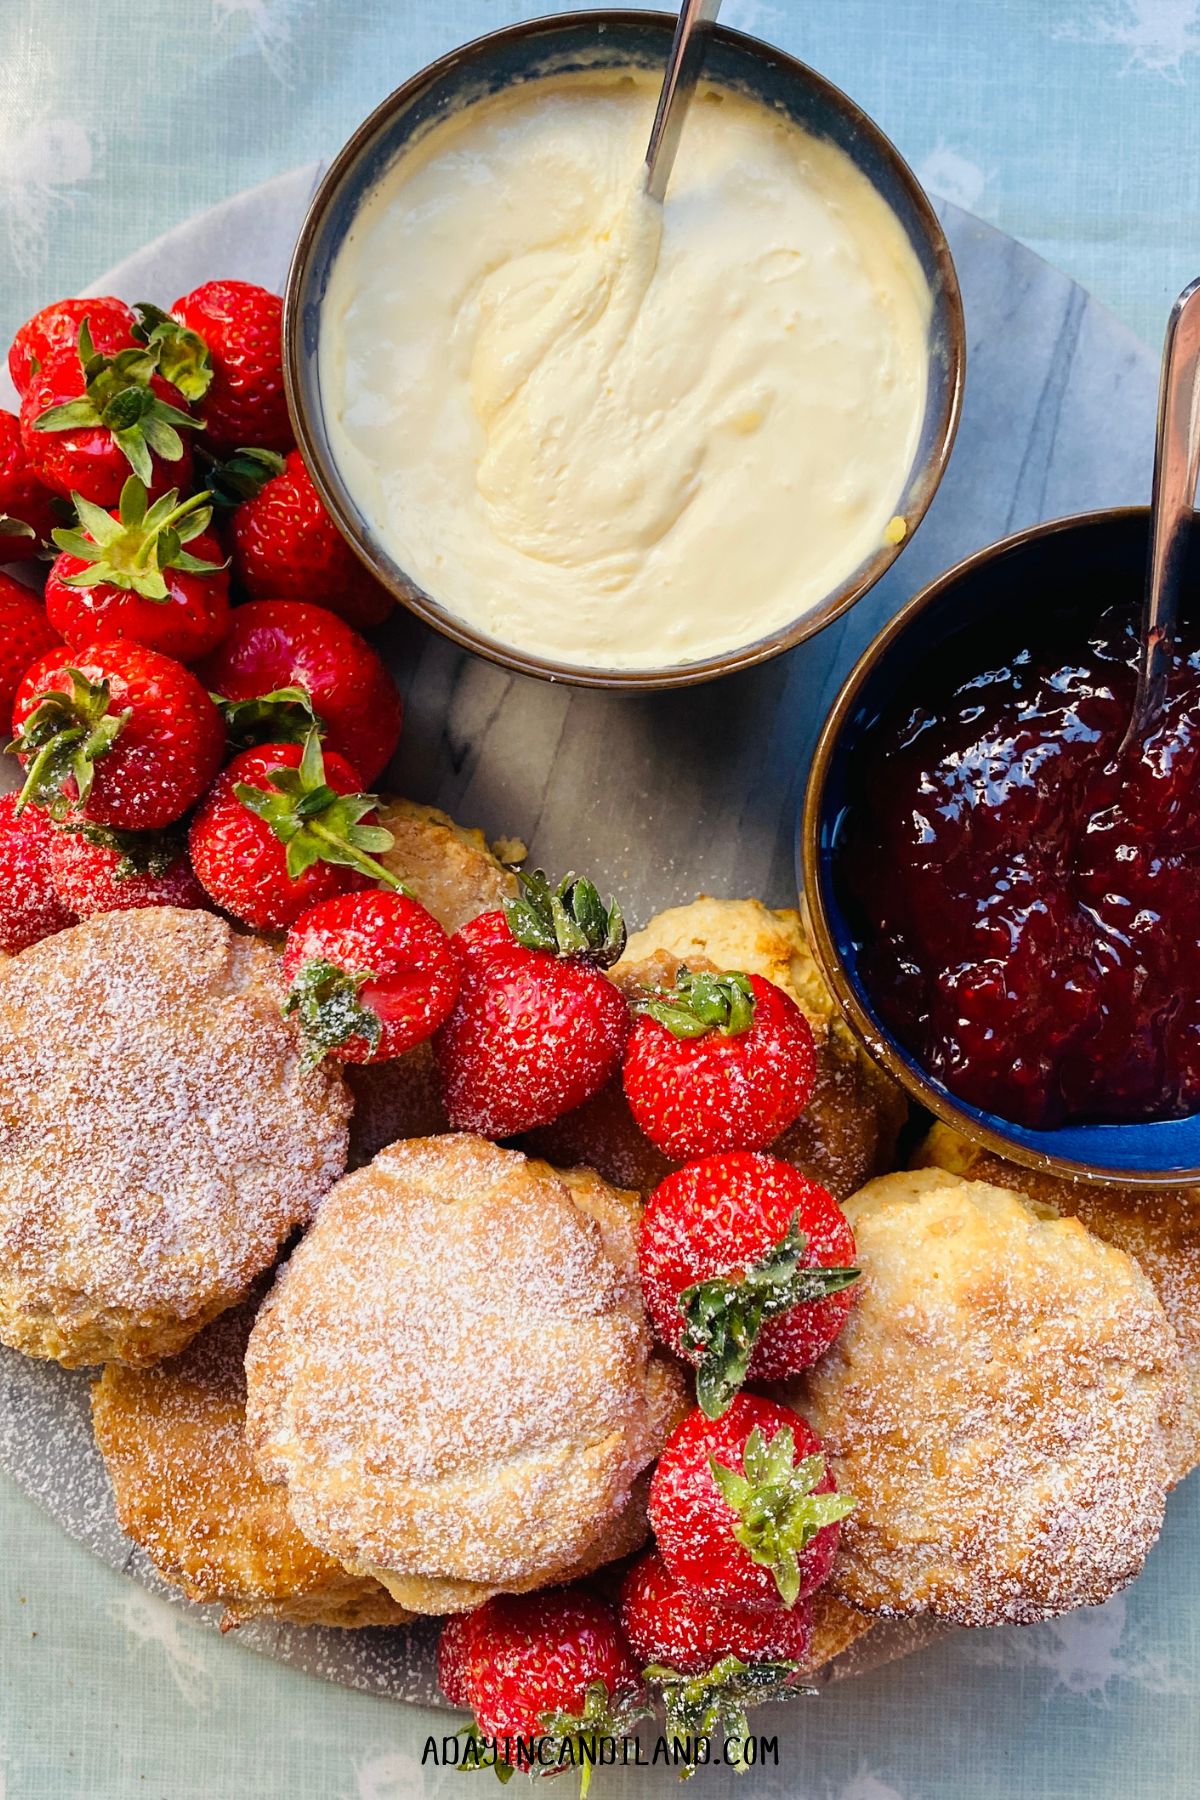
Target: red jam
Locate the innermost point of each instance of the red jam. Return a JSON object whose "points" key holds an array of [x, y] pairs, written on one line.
{"points": [[1027, 900]]}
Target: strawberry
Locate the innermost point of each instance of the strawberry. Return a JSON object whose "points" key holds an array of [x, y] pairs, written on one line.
{"points": [[689, 1631], [743, 1507], [56, 328], [746, 1270], [718, 1062], [275, 647], [239, 329], [95, 869], [546, 1665], [537, 1028], [283, 828], [369, 975], [87, 419], [453, 1650], [29, 907], [708, 1660], [117, 733], [286, 547], [27, 514], [127, 574], [25, 634]]}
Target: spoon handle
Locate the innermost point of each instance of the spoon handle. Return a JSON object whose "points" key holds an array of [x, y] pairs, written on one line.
{"points": [[679, 84], [1176, 467]]}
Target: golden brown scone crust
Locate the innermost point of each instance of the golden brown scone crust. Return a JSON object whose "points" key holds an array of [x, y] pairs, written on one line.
{"points": [[1001, 1402], [158, 1137], [848, 1130], [835, 1627], [447, 867], [454, 1376], [173, 1440], [1159, 1228]]}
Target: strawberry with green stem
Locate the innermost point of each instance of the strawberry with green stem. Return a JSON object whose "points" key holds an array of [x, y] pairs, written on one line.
{"points": [[88, 419], [116, 734], [149, 572], [369, 975], [283, 659], [744, 1507], [718, 1062], [282, 828], [538, 1028], [287, 547], [547, 1665], [229, 334], [710, 1661], [96, 869], [747, 1269]]}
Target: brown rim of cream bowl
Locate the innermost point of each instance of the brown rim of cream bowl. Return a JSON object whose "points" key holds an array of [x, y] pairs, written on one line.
{"points": [[1108, 545], [556, 44]]}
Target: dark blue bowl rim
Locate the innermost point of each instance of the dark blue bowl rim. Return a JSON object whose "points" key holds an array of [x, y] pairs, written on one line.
{"points": [[1137, 1155], [923, 481]]}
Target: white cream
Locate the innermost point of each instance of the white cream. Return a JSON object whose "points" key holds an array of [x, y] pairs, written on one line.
{"points": [[614, 434]]}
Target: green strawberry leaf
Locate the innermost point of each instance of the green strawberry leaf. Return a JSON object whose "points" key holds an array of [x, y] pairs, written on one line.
{"points": [[117, 396], [696, 1706], [777, 1512], [183, 355], [699, 1002], [316, 823], [569, 920], [241, 476], [724, 1314], [324, 1000], [140, 852], [132, 550], [284, 716], [64, 737]]}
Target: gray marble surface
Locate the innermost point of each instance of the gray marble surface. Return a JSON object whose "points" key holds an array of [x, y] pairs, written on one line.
{"points": [[663, 796]]}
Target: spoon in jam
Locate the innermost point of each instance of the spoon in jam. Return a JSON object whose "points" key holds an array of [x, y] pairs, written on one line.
{"points": [[1172, 499], [696, 17]]}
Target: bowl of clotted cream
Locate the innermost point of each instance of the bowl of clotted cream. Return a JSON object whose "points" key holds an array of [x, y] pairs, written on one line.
{"points": [[600, 439]]}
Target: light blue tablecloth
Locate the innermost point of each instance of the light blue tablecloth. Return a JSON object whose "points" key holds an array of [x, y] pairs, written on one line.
{"points": [[1075, 126]]}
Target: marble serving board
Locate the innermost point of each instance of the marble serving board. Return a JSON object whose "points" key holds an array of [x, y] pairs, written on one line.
{"points": [[659, 797]]}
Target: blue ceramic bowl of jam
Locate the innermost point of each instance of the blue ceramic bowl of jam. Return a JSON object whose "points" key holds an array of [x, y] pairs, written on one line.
{"points": [[614, 38], [985, 714]]}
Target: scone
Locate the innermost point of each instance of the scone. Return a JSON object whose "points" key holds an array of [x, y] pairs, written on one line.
{"points": [[848, 1130], [159, 1138], [454, 1378], [454, 874], [1001, 1403], [449, 868], [174, 1444], [1159, 1228]]}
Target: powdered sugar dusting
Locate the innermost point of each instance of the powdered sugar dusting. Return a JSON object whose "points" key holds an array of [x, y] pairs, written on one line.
{"points": [[158, 1139], [482, 1411], [1001, 1402]]}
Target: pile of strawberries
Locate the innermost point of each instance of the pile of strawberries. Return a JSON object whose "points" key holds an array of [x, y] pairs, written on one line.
{"points": [[747, 1272], [198, 720], [194, 708]]}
